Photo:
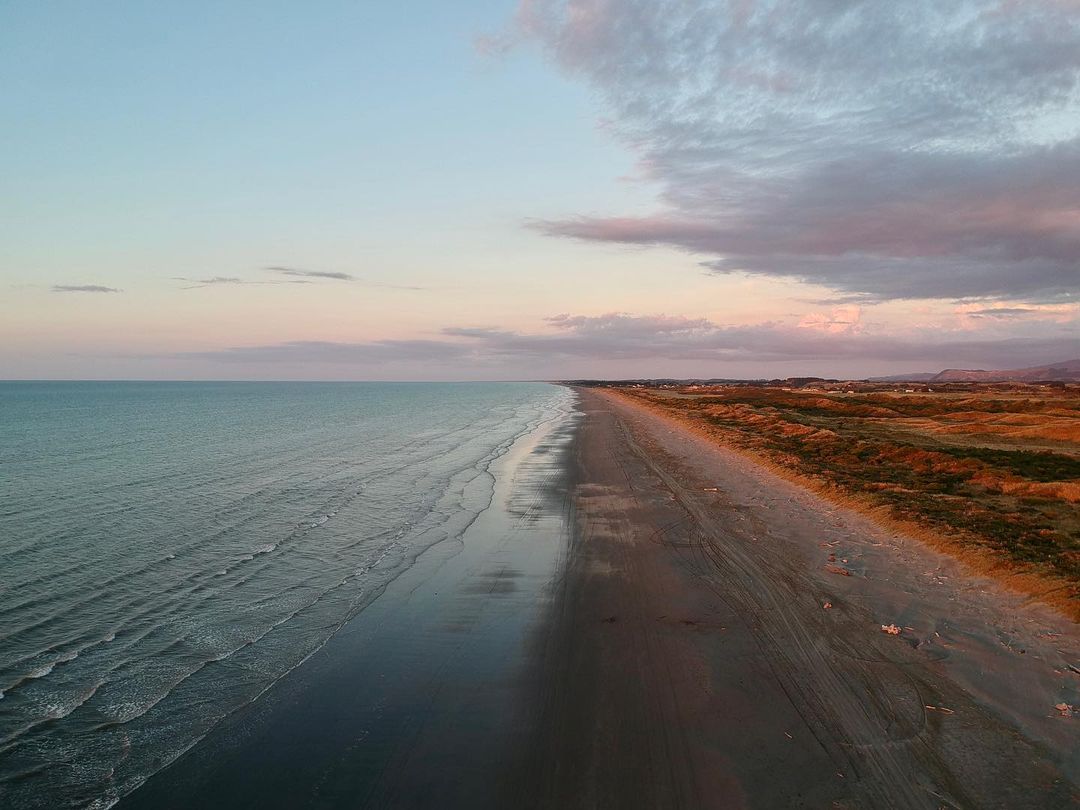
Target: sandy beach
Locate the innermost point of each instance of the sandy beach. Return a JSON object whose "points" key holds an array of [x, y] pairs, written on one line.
{"points": [[662, 624], [695, 662]]}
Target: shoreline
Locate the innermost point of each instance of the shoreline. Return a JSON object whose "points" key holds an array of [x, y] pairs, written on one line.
{"points": [[668, 647], [413, 702]]}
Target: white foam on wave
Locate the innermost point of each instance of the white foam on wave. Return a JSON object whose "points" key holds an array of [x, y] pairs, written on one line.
{"points": [[52, 711], [124, 712], [223, 655], [40, 672], [44, 669], [105, 802], [57, 711], [386, 551], [265, 549]]}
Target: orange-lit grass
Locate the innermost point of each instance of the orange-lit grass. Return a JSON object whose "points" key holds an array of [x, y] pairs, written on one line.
{"points": [[763, 425]]}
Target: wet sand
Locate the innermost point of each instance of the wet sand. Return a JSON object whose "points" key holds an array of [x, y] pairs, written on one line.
{"points": [[642, 625], [415, 702]]}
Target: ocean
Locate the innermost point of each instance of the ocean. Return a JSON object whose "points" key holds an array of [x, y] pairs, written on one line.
{"points": [[170, 551]]}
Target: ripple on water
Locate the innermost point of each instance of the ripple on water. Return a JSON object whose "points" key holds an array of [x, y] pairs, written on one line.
{"points": [[206, 540]]}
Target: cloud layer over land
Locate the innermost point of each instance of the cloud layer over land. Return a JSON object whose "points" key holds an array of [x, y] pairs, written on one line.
{"points": [[616, 337], [885, 150]]}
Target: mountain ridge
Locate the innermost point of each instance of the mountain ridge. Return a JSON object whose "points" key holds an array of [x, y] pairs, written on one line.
{"points": [[1063, 371]]}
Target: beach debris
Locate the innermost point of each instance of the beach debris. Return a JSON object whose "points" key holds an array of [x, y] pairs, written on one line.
{"points": [[711, 489], [827, 606], [836, 569], [1074, 668], [891, 629], [788, 736], [1065, 709], [941, 709]]}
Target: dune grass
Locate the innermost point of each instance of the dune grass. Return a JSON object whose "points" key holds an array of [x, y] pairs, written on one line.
{"points": [[1000, 486]]}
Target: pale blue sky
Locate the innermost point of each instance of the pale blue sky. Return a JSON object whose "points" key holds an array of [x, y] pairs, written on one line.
{"points": [[158, 133], [655, 171]]}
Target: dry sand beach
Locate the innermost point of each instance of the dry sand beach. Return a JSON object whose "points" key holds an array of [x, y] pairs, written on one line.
{"points": [[688, 644], [706, 655]]}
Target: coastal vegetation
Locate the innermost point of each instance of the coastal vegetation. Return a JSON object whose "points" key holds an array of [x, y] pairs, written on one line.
{"points": [[990, 473]]}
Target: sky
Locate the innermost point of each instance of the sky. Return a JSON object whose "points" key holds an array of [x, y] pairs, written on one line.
{"points": [[537, 189]]}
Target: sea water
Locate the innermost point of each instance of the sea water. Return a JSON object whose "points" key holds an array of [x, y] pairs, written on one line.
{"points": [[170, 550]]}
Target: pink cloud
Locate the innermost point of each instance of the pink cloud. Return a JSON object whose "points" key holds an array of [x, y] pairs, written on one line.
{"points": [[846, 320]]}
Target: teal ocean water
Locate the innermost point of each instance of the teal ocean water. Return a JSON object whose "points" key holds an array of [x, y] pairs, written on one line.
{"points": [[168, 551]]}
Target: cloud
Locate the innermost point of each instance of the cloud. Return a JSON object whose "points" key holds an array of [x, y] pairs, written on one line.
{"points": [[884, 150], [976, 315], [295, 276], [228, 281], [1001, 312], [86, 288], [842, 320], [326, 274], [621, 336], [292, 271], [217, 280]]}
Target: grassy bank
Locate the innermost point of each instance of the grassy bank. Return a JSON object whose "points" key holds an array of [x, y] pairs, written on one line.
{"points": [[990, 475]]}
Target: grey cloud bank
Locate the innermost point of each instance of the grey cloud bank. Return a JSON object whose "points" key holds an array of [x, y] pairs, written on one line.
{"points": [[885, 150], [696, 346]]}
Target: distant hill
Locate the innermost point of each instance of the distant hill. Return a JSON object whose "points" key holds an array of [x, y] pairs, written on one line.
{"points": [[1064, 371]]}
